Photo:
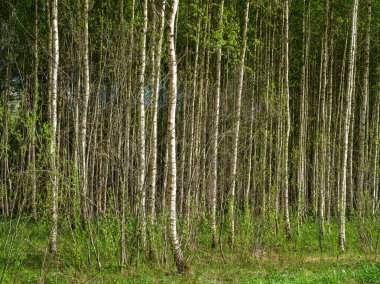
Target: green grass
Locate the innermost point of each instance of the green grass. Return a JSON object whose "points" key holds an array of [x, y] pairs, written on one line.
{"points": [[258, 257]]}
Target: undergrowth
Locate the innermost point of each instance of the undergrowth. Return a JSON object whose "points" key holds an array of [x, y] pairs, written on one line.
{"points": [[259, 255]]}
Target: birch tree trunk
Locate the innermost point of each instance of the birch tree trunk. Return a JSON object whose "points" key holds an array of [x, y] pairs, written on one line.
{"points": [[322, 123], [5, 175], [375, 155], [53, 142], [83, 136], [123, 257], [34, 110], [124, 161], [347, 121], [363, 115], [172, 173], [302, 116], [156, 89], [141, 140], [193, 125], [214, 177], [286, 145], [237, 123], [329, 157]]}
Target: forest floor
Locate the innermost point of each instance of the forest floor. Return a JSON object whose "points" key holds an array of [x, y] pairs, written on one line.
{"points": [[317, 269], [24, 259]]}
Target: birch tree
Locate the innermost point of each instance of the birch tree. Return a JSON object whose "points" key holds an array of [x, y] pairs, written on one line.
{"points": [[172, 173], [363, 114], [156, 74], [286, 144], [236, 130], [141, 141], [54, 122], [83, 133], [322, 122], [214, 182], [346, 124]]}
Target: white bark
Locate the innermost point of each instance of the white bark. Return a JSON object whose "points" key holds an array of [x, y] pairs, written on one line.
{"points": [[322, 126], [34, 111], [347, 121], [54, 91], [156, 89], [214, 181], [375, 155], [286, 146], [237, 122], [303, 105], [172, 173], [141, 140], [83, 136], [363, 112], [125, 186], [192, 128]]}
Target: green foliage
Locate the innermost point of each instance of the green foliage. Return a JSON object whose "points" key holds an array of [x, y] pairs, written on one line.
{"points": [[259, 256]]}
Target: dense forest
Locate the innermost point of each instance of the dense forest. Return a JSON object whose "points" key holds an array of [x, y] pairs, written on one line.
{"points": [[155, 131]]}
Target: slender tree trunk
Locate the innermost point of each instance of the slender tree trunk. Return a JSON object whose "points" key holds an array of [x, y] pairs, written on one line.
{"points": [[214, 173], [76, 160], [363, 116], [329, 145], [193, 126], [83, 136], [5, 176], [347, 122], [53, 142], [34, 110], [247, 205], [172, 173], [286, 145], [156, 89], [126, 187], [350, 163], [322, 124], [141, 139], [184, 132], [303, 134], [237, 124], [124, 166], [339, 126], [279, 153], [375, 155]]}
